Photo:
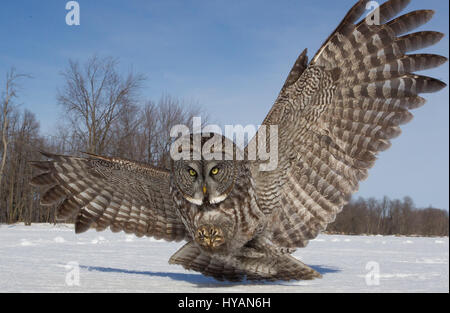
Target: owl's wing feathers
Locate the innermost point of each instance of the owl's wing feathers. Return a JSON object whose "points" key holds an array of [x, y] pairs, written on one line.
{"points": [[110, 192], [297, 70], [339, 114], [240, 267]]}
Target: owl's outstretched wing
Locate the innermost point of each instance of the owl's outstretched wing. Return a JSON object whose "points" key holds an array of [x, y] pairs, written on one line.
{"points": [[110, 192], [240, 267], [339, 114]]}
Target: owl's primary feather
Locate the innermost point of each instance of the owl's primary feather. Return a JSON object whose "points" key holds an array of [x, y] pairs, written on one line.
{"points": [[334, 115]]}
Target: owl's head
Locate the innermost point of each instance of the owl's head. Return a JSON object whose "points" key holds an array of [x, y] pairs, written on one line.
{"points": [[206, 174]]}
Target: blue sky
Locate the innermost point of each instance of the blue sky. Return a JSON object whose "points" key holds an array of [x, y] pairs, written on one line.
{"points": [[230, 56]]}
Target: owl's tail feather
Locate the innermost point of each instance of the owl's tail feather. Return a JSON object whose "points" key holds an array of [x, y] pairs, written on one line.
{"points": [[238, 268]]}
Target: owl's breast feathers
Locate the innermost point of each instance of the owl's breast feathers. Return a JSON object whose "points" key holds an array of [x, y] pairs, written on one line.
{"points": [[227, 226]]}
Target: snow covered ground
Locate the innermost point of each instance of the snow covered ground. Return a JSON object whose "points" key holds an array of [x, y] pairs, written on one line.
{"points": [[48, 258]]}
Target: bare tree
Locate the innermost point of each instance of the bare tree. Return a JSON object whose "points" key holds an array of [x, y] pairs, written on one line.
{"points": [[18, 202], [159, 118], [143, 133], [94, 96], [126, 134], [7, 97]]}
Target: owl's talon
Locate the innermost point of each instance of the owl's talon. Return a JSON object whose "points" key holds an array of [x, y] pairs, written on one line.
{"points": [[209, 236]]}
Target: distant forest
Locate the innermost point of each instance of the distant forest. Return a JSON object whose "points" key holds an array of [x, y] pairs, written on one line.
{"points": [[104, 113], [390, 217]]}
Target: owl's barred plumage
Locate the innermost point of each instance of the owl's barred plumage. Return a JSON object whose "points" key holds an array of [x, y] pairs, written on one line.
{"points": [[334, 115], [342, 111], [110, 192]]}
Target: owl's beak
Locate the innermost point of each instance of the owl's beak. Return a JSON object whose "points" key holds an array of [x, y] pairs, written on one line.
{"points": [[204, 189]]}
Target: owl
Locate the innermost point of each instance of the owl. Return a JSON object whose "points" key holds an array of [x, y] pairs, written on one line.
{"points": [[334, 115]]}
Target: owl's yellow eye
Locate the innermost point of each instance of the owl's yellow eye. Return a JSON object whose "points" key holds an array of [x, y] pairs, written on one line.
{"points": [[214, 171], [192, 172]]}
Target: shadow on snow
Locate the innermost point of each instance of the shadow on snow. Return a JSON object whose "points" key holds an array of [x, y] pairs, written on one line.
{"points": [[201, 280]]}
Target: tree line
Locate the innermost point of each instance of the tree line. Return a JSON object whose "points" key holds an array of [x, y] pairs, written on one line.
{"points": [[390, 217], [105, 113]]}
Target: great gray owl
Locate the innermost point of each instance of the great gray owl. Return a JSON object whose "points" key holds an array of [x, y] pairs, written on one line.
{"points": [[334, 115]]}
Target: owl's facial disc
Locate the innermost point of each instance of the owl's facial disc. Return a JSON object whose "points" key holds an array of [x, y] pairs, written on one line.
{"points": [[219, 180], [205, 182], [193, 182]]}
